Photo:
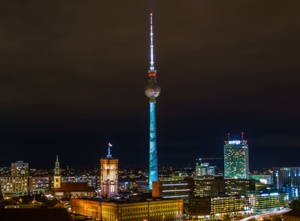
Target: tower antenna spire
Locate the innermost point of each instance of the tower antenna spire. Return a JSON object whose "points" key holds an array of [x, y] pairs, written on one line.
{"points": [[151, 43]]}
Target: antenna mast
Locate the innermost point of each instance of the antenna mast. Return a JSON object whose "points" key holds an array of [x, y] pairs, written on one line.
{"points": [[151, 44]]}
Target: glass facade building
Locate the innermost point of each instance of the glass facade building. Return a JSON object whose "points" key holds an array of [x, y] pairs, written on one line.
{"points": [[236, 159]]}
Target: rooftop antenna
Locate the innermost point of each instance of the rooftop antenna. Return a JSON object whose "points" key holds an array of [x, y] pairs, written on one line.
{"points": [[242, 135], [228, 136]]}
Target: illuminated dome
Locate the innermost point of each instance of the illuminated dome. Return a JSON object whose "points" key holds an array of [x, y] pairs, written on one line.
{"points": [[152, 90]]}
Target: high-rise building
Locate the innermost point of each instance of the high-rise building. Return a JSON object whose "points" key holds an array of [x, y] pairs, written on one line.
{"points": [[152, 91], [287, 179], [20, 177], [236, 159], [109, 175]]}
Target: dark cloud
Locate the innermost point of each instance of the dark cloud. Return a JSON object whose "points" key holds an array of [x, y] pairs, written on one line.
{"points": [[72, 75]]}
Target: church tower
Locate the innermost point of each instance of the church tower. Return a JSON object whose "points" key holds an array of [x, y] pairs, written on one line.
{"points": [[109, 175], [57, 176]]}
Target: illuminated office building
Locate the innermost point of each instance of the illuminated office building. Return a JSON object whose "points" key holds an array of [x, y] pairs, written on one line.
{"points": [[236, 159], [239, 186], [204, 186], [171, 189], [152, 91], [109, 175], [19, 177], [266, 201], [287, 179], [213, 208], [286, 176], [122, 210]]}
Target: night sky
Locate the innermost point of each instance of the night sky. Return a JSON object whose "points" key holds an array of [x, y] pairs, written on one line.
{"points": [[72, 78]]}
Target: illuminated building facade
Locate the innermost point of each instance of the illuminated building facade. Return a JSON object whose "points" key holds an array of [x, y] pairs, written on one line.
{"points": [[163, 210], [205, 186], [171, 189], [109, 175], [208, 186], [152, 91], [41, 183], [286, 176], [239, 186], [19, 177], [236, 159], [262, 178], [287, 179], [209, 208], [265, 201], [204, 169]]}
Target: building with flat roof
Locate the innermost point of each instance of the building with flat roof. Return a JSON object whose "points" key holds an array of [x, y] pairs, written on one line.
{"points": [[171, 189], [129, 209], [202, 186], [287, 179], [209, 208], [266, 201], [19, 180]]}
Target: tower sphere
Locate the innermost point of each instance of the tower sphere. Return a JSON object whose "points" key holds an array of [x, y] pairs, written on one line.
{"points": [[152, 90]]}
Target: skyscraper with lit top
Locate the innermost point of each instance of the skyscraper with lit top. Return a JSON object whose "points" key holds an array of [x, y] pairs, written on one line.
{"points": [[152, 91], [236, 159]]}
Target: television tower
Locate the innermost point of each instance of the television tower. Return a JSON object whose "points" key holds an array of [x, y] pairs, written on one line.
{"points": [[152, 91]]}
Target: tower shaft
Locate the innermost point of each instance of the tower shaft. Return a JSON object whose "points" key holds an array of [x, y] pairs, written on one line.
{"points": [[153, 170]]}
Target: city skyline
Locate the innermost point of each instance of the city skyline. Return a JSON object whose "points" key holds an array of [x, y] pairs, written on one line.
{"points": [[72, 78]]}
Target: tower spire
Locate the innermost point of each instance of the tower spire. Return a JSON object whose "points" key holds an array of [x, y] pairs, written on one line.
{"points": [[151, 44], [57, 167], [109, 156]]}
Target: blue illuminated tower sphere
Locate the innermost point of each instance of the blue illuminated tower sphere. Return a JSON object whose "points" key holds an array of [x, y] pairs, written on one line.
{"points": [[152, 91]]}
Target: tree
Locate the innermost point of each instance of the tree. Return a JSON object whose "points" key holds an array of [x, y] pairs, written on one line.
{"points": [[295, 204]]}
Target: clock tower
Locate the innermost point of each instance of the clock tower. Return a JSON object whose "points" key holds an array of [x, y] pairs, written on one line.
{"points": [[109, 175]]}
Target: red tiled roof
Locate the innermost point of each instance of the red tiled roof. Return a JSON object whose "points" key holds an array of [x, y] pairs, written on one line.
{"points": [[74, 187]]}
